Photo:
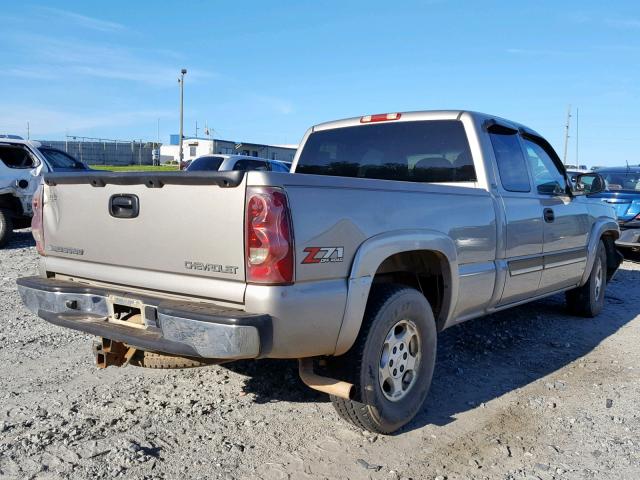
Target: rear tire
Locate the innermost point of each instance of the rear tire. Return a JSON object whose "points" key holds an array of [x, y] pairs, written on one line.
{"points": [[6, 226], [398, 327], [588, 300], [161, 361]]}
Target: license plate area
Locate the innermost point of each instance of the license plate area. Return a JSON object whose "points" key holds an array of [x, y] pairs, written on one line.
{"points": [[129, 311]]}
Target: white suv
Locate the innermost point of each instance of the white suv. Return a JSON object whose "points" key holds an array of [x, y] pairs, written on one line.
{"points": [[22, 162]]}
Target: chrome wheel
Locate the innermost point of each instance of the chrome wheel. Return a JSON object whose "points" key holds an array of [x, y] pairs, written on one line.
{"points": [[399, 360], [599, 279]]}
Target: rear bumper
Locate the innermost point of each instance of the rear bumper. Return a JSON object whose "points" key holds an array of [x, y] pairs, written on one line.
{"points": [[629, 238], [174, 327]]}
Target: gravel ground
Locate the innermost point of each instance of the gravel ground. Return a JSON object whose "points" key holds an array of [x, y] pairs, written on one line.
{"points": [[531, 393]]}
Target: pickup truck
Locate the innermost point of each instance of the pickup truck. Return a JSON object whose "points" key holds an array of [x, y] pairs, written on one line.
{"points": [[393, 228]]}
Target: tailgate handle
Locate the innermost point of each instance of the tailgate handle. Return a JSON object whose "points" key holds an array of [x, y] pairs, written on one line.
{"points": [[124, 206]]}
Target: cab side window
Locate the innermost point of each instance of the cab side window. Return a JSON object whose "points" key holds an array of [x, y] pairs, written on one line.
{"points": [[546, 176], [512, 166]]}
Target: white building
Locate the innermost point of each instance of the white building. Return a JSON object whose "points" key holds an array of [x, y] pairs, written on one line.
{"points": [[196, 147]]}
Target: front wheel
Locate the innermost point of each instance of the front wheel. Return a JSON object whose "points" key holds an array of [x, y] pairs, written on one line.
{"points": [[391, 364], [588, 300]]}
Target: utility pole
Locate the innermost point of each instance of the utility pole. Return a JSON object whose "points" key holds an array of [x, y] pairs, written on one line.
{"points": [[156, 156], [28, 131], [196, 128], [577, 139], [183, 72], [566, 136]]}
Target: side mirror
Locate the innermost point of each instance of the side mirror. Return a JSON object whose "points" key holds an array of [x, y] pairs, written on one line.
{"points": [[589, 183]]}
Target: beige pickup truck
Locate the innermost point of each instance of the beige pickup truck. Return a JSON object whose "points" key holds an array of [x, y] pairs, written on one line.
{"points": [[392, 228]]}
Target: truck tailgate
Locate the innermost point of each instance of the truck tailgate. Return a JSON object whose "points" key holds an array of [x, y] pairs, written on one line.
{"points": [[187, 231]]}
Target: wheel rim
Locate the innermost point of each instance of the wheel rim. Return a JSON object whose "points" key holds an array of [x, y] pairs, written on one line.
{"points": [[399, 360], [599, 280]]}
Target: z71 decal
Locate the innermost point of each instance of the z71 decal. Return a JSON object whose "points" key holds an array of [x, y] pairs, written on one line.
{"points": [[323, 254]]}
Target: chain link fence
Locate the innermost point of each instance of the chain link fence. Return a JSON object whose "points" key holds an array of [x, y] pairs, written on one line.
{"points": [[101, 151]]}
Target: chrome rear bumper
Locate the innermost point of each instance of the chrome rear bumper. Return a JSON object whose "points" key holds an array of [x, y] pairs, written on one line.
{"points": [[180, 328]]}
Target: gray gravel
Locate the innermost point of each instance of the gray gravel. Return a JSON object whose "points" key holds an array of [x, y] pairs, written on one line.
{"points": [[531, 393]]}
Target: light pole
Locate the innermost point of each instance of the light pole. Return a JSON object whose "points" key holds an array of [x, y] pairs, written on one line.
{"points": [[183, 72]]}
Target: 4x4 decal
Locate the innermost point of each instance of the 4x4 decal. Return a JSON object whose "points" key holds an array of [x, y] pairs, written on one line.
{"points": [[323, 254]]}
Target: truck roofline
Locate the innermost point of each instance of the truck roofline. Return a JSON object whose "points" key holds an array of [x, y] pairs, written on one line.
{"points": [[417, 115]]}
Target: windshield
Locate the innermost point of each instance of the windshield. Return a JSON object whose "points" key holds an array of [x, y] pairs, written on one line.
{"points": [[417, 151], [621, 181], [58, 160], [205, 164]]}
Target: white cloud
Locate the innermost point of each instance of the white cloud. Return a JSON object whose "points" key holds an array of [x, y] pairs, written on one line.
{"points": [[623, 22], [279, 105], [535, 52], [54, 58], [48, 122], [31, 73], [579, 17], [83, 21]]}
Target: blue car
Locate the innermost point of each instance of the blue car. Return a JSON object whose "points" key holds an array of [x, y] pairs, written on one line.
{"points": [[623, 193]]}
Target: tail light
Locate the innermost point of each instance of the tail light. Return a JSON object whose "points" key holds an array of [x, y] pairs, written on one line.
{"points": [[269, 239], [37, 228]]}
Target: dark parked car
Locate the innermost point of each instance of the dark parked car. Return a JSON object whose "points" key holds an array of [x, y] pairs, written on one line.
{"points": [[60, 161], [623, 193]]}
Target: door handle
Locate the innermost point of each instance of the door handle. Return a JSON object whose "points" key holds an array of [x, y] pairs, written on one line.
{"points": [[548, 215]]}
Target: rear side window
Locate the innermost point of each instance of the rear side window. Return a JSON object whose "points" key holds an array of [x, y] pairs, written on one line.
{"points": [[16, 157], [205, 164], [511, 162], [250, 165], [420, 151]]}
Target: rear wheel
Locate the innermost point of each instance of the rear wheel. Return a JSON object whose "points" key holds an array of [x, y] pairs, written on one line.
{"points": [[588, 300], [6, 226], [392, 361]]}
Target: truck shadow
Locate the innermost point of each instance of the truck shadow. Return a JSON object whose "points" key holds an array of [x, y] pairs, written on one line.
{"points": [[482, 359], [486, 358], [20, 239]]}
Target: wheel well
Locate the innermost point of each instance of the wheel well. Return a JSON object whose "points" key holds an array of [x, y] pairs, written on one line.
{"points": [[424, 270], [613, 256], [11, 203]]}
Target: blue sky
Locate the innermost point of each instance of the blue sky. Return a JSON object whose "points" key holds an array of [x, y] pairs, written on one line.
{"points": [[265, 71]]}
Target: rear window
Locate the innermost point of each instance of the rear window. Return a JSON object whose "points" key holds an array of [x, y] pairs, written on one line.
{"points": [[205, 164], [625, 181], [421, 151], [16, 157]]}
